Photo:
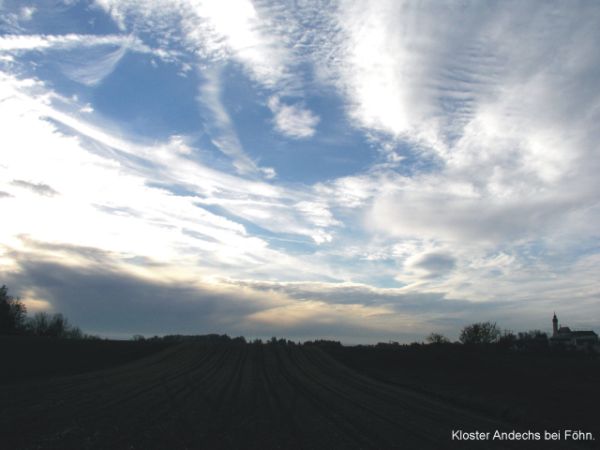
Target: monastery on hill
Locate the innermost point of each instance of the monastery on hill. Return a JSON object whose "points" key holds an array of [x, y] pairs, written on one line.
{"points": [[578, 339]]}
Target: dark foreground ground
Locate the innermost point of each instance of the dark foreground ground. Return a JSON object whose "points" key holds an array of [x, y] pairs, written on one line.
{"points": [[196, 396], [545, 388], [33, 358]]}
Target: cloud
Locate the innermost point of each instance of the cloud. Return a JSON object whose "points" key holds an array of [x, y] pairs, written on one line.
{"points": [[96, 67], [317, 213], [351, 191], [38, 42], [210, 30], [409, 75], [293, 120], [119, 302], [141, 192], [126, 296], [12, 21], [38, 188], [27, 12], [426, 210], [221, 128], [482, 192], [394, 312], [433, 264], [497, 142], [87, 109], [86, 59], [494, 156]]}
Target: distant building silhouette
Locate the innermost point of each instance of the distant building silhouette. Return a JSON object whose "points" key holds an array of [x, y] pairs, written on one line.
{"points": [[576, 339]]}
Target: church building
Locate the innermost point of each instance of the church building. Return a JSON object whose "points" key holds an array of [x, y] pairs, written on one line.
{"points": [[575, 339]]}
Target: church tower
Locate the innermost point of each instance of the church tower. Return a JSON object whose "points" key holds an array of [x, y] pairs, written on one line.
{"points": [[554, 325]]}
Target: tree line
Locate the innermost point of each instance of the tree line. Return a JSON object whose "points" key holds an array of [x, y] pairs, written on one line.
{"points": [[14, 321], [486, 333]]}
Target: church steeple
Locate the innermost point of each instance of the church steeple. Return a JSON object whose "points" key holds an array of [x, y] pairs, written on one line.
{"points": [[554, 325]]}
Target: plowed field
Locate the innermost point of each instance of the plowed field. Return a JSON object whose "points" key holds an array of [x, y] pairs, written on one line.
{"points": [[195, 396]]}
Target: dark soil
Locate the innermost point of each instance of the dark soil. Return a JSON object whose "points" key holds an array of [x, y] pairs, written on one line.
{"points": [[234, 396], [544, 389], [32, 357]]}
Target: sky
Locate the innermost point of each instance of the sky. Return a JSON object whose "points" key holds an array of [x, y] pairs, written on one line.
{"points": [[354, 170]]}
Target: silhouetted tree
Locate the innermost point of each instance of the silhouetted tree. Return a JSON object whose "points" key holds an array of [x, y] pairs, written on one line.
{"points": [[532, 340], [480, 333], [532, 335], [12, 313], [437, 338], [38, 325], [75, 333], [508, 340], [324, 343], [56, 326]]}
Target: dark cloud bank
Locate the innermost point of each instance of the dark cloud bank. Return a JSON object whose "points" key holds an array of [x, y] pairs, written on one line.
{"points": [[102, 299]]}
